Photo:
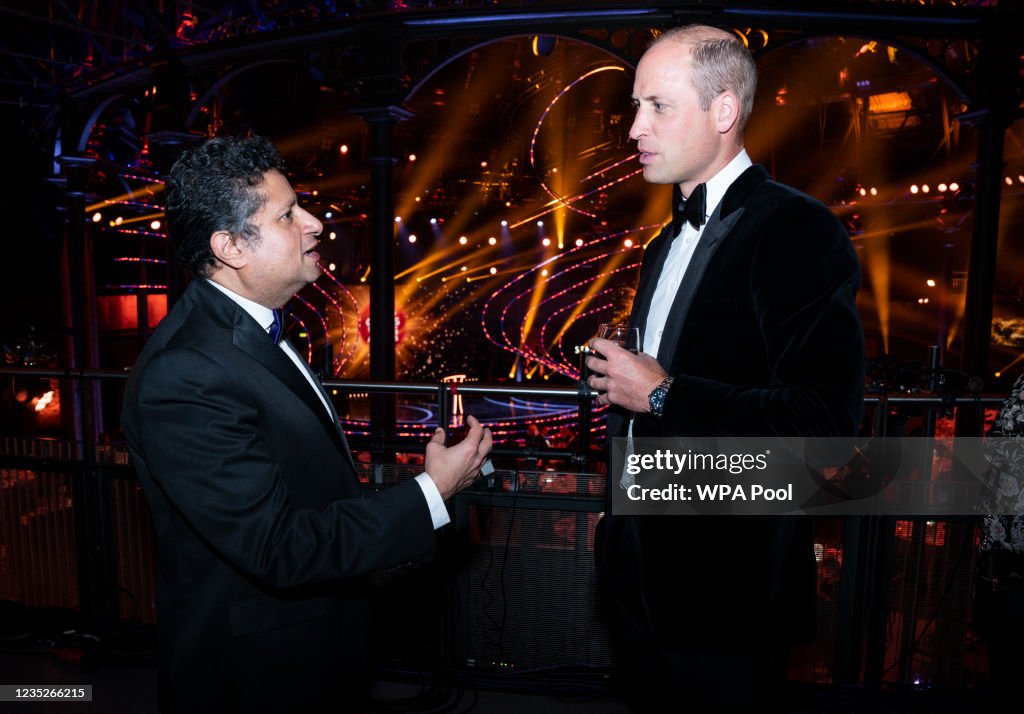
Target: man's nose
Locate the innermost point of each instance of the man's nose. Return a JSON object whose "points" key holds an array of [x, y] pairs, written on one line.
{"points": [[637, 128], [313, 224]]}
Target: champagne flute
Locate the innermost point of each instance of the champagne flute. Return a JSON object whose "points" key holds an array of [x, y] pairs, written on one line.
{"points": [[622, 334]]}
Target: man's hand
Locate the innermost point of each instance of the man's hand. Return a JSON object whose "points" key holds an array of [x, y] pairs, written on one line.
{"points": [[623, 378], [453, 468]]}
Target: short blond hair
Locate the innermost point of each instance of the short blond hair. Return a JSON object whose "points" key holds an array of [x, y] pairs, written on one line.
{"points": [[719, 62]]}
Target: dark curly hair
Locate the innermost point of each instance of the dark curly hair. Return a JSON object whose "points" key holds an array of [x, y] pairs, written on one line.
{"points": [[212, 187]]}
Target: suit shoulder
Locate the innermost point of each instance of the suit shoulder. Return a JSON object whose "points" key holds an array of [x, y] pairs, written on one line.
{"points": [[186, 340], [790, 210], [781, 195]]}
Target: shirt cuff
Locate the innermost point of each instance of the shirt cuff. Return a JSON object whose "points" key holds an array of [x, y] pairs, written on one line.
{"points": [[438, 511]]}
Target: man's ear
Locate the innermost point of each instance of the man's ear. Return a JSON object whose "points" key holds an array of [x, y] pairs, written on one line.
{"points": [[227, 249], [727, 112]]}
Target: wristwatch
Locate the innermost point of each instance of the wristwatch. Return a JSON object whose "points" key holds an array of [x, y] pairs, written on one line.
{"points": [[656, 399]]}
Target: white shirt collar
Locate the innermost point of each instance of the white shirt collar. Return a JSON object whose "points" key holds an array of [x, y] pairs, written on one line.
{"points": [[263, 316], [718, 184]]}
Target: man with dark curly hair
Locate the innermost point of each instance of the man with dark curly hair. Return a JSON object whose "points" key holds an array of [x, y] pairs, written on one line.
{"points": [[264, 539]]}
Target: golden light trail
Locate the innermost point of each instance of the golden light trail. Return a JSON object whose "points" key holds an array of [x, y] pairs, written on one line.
{"points": [[1015, 362], [631, 157], [555, 203], [608, 272], [151, 190], [141, 219], [536, 297], [436, 254], [507, 271]]}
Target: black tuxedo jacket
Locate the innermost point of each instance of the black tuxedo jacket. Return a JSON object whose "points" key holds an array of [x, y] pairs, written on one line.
{"points": [[763, 339], [264, 540]]}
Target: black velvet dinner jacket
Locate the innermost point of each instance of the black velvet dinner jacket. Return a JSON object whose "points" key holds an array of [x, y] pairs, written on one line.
{"points": [[763, 339], [263, 538]]}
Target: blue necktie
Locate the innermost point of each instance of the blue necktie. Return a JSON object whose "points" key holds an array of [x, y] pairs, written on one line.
{"points": [[277, 329]]}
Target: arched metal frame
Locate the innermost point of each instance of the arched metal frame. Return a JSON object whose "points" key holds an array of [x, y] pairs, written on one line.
{"points": [[213, 90]]}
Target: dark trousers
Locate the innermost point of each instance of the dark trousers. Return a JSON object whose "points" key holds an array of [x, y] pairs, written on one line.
{"points": [[664, 676]]}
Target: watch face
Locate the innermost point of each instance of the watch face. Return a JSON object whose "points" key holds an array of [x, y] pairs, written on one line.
{"points": [[656, 400]]}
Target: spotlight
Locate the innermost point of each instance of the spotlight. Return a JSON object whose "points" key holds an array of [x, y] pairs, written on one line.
{"points": [[462, 269], [463, 240], [540, 224], [942, 187], [504, 223], [97, 217], [155, 225], [412, 237], [343, 148], [412, 157], [862, 191], [417, 199], [873, 191], [628, 243], [332, 235], [315, 192], [579, 242], [494, 271], [954, 186], [483, 164], [544, 273], [930, 282], [332, 267], [1009, 181], [546, 242], [925, 188], [398, 219], [433, 221], [1020, 178], [542, 45], [508, 204], [119, 220], [492, 240], [914, 189]]}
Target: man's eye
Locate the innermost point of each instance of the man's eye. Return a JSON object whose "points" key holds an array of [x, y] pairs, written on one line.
{"points": [[287, 216], [658, 106]]}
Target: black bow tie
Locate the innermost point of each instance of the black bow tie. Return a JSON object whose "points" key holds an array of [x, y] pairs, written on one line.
{"points": [[693, 208], [277, 329]]}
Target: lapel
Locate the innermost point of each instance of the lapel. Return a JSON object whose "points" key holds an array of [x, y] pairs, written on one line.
{"points": [[335, 420], [725, 217], [249, 337], [654, 255]]}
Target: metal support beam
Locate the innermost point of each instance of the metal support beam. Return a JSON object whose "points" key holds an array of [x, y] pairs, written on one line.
{"points": [[381, 158]]}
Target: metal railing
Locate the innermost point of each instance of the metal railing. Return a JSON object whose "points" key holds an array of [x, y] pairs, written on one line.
{"points": [[896, 612]]}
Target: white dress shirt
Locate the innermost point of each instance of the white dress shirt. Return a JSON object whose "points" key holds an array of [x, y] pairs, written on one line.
{"points": [[264, 316], [674, 269], [681, 252]]}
